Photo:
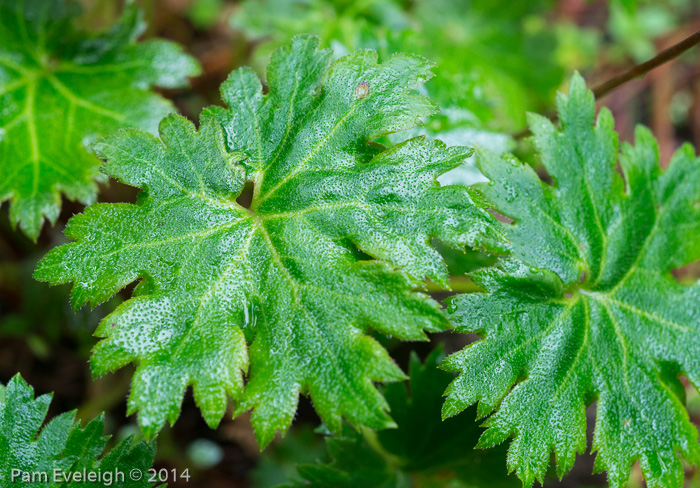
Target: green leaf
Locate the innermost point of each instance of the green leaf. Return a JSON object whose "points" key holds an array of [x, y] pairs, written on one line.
{"points": [[62, 444], [630, 5], [422, 451], [287, 285], [587, 308], [60, 89], [279, 462]]}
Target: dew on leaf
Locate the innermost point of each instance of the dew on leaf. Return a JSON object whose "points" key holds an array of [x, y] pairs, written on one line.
{"points": [[295, 255]]}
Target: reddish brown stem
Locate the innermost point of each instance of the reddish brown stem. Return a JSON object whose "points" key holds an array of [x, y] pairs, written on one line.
{"points": [[637, 71]]}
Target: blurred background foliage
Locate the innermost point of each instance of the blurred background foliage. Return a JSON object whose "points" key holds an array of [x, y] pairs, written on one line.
{"points": [[495, 61]]}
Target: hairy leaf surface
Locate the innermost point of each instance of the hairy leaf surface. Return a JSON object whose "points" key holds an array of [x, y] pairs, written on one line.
{"points": [[422, 451], [286, 285], [587, 308], [60, 89], [62, 444]]}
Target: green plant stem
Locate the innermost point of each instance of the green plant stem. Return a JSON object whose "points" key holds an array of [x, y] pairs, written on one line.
{"points": [[459, 284], [637, 71]]}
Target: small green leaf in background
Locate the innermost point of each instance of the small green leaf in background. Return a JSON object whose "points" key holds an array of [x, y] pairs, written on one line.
{"points": [[205, 13], [422, 451], [62, 444], [587, 308], [279, 462], [288, 285], [637, 30], [62, 88]]}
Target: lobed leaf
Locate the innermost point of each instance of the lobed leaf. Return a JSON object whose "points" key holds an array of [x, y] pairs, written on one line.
{"points": [[32, 455], [61, 89], [587, 309], [292, 285]]}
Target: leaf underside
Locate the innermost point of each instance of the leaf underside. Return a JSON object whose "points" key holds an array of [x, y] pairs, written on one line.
{"points": [[286, 286], [62, 445], [60, 90], [587, 308]]}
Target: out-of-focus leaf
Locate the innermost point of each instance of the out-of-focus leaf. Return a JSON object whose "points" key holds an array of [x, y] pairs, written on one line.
{"points": [[278, 464], [635, 30], [484, 51], [205, 13], [422, 451], [60, 89]]}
